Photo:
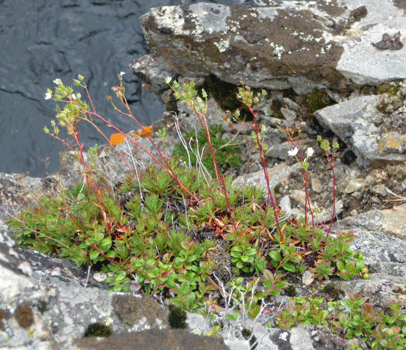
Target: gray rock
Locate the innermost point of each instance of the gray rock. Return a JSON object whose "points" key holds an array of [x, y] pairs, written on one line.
{"points": [[281, 45], [354, 122]]}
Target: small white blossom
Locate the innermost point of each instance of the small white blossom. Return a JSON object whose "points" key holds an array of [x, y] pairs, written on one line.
{"points": [[293, 152], [57, 81], [168, 80], [48, 95], [310, 152], [122, 73], [73, 97]]}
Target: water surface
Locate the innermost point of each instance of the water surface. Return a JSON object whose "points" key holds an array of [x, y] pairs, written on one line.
{"points": [[42, 40]]}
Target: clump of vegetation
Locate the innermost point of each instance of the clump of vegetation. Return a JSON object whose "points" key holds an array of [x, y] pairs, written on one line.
{"points": [[97, 330], [351, 318], [318, 99], [226, 155], [177, 317], [156, 228]]}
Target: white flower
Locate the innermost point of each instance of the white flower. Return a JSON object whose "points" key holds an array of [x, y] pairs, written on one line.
{"points": [[48, 95], [73, 97], [122, 73], [310, 152], [168, 80], [57, 81], [293, 151]]}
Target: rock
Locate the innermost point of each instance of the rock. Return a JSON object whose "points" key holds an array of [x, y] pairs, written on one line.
{"points": [[288, 114], [280, 45], [153, 70], [277, 174], [354, 121]]}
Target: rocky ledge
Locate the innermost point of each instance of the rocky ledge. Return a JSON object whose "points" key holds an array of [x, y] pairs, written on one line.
{"points": [[335, 68]]}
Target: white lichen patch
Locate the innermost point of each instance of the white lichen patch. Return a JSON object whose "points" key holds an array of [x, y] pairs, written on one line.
{"points": [[307, 38], [277, 50], [209, 18], [169, 17], [325, 49], [222, 45], [233, 26]]}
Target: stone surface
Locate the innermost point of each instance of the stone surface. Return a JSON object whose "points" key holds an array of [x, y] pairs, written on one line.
{"points": [[280, 44], [356, 123]]}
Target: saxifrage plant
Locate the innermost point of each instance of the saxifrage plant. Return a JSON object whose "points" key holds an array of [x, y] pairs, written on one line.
{"points": [[157, 227]]}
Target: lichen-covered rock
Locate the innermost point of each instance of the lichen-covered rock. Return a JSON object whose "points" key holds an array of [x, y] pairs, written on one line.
{"points": [[358, 123], [279, 44]]}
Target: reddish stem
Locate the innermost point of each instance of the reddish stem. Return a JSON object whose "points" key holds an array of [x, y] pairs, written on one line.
{"points": [[270, 195], [334, 190], [166, 167]]}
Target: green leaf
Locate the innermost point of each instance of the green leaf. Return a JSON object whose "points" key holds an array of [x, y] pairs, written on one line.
{"points": [[121, 276], [280, 284], [105, 244], [247, 259], [98, 236], [94, 254], [111, 254], [235, 254], [289, 267], [275, 255], [251, 252], [340, 265], [184, 288]]}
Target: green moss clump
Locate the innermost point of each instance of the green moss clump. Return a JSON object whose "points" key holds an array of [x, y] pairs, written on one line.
{"points": [[291, 291], [177, 317], [388, 88], [226, 156], [97, 330], [332, 291], [318, 99]]}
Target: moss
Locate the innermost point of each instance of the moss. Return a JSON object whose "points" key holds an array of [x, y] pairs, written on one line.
{"points": [[318, 99], [382, 106], [332, 291], [247, 334], [224, 93], [389, 89], [276, 108], [24, 315], [177, 317], [291, 291], [98, 330]]}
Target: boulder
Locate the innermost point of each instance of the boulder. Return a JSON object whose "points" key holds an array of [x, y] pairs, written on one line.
{"points": [[358, 122], [278, 44]]}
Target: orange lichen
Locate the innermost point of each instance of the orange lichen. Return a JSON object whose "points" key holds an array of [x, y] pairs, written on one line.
{"points": [[116, 139], [147, 131]]}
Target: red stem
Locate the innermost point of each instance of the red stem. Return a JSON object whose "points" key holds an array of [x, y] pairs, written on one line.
{"points": [[270, 195], [206, 130], [166, 168], [334, 191]]}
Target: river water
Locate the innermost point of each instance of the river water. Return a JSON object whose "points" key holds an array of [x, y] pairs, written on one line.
{"points": [[41, 40]]}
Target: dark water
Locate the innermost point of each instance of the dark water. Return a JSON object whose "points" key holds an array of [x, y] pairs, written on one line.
{"points": [[41, 40]]}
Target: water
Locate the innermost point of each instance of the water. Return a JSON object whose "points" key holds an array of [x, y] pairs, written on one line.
{"points": [[41, 40]]}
